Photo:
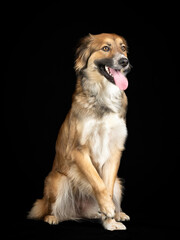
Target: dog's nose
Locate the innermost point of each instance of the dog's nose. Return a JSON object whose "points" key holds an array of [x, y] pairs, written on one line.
{"points": [[123, 62]]}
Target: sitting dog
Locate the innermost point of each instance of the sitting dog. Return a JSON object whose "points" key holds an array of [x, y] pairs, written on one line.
{"points": [[83, 182]]}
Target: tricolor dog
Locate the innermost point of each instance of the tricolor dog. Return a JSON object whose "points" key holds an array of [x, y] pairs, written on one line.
{"points": [[83, 182]]}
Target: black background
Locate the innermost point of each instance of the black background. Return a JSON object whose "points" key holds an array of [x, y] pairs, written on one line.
{"points": [[39, 80]]}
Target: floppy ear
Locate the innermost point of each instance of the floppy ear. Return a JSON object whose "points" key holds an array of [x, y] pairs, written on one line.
{"points": [[83, 52]]}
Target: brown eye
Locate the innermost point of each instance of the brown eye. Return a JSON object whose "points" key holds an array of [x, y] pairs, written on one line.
{"points": [[106, 49], [123, 48]]}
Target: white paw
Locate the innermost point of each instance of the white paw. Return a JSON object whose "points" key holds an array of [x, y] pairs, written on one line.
{"points": [[111, 225], [106, 204], [51, 219], [121, 216], [108, 211]]}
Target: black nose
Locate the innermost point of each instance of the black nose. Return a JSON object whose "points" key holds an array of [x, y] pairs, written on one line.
{"points": [[123, 62]]}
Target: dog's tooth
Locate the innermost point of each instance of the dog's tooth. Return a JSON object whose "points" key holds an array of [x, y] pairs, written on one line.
{"points": [[109, 72]]}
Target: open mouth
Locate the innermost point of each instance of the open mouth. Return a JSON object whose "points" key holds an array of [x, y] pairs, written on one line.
{"points": [[115, 76], [105, 71]]}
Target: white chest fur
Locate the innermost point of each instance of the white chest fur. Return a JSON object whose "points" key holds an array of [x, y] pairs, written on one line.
{"points": [[103, 135]]}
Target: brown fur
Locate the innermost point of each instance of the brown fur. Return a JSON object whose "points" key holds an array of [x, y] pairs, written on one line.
{"points": [[81, 183]]}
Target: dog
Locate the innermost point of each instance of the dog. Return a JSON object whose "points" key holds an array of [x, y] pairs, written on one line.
{"points": [[83, 182]]}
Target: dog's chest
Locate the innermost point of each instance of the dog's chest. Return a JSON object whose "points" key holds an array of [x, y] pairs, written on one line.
{"points": [[103, 136]]}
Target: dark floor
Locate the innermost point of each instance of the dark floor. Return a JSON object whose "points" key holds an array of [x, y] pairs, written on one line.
{"points": [[29, 229]]}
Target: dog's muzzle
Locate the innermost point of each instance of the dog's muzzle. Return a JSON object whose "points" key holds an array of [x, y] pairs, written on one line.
{"points": [[115, 69], [120, 62]]}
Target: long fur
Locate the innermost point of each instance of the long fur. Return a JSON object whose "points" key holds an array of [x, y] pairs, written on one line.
{"points": [[83, 181]]}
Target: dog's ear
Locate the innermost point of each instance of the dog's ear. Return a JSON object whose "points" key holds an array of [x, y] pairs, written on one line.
{"points": [[83, 52]]}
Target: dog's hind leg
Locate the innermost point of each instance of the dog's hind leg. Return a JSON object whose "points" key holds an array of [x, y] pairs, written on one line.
{"points": [[42, 208], [64, 207], [89, 208], [58, 203]]}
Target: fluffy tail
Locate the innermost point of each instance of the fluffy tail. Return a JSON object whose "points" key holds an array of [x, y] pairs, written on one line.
{"points": [[39, 209]]}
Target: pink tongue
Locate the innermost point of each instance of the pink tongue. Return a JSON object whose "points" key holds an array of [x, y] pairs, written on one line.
{"points": [[120, 80]]}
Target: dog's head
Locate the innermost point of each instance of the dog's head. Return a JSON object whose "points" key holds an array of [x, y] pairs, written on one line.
{"points": [[103, 56]]}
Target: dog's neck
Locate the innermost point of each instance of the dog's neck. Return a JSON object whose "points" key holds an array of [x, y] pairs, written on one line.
{"points": [[99, 98]]}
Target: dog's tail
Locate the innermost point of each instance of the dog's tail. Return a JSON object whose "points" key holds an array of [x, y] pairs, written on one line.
{"points": [[39, 209]]}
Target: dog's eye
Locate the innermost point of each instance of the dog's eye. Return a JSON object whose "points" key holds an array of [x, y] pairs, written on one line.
{"points": [[123, 48], [106, 49]]}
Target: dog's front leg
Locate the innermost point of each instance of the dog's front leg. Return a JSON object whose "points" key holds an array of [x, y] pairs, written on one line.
{"points": [[109, 176], [110, 170], [102, 195]]}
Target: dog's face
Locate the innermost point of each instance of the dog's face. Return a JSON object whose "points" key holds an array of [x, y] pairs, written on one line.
{"points": [[104, 56]]}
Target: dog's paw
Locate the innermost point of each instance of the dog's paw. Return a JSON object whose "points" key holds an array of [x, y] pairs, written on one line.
{"points": [[111, 225], [108, 210], [121, 216], [51, 219], [107, 207]]}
